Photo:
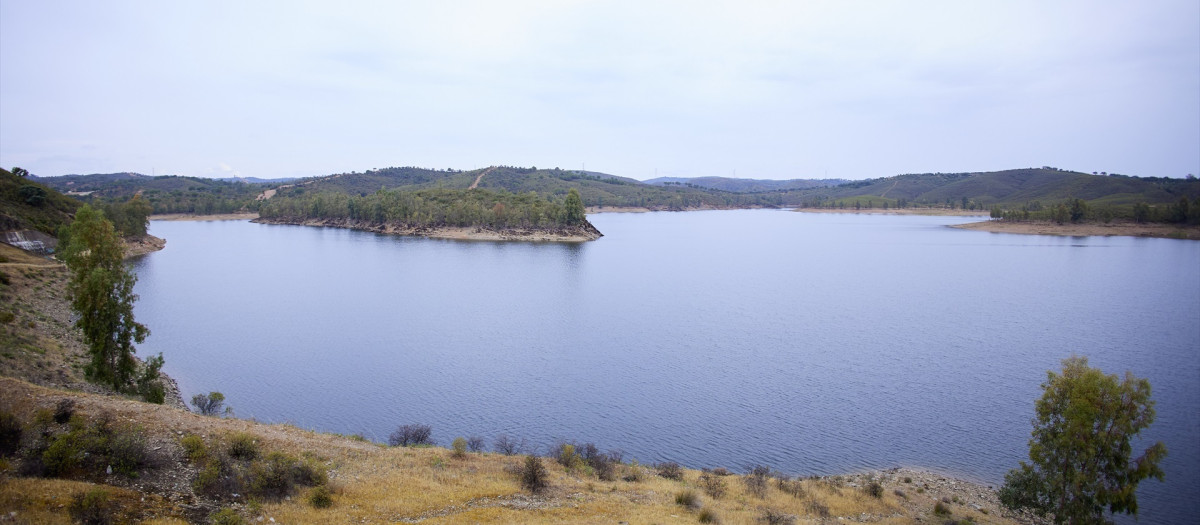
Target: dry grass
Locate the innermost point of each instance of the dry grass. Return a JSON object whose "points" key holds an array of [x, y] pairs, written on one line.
{"points": [[371, 483]]}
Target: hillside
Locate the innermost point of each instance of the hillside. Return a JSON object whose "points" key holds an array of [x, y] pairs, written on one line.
{"points": [[1008, 188], [26, 204], [165, 193], [736, 185]]}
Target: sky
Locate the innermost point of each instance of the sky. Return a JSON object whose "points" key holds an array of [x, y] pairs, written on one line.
{"points": [[755, 89]]}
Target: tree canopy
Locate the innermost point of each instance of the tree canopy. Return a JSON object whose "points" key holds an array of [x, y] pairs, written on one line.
{"points": [[1080, 451], [101, 290]]}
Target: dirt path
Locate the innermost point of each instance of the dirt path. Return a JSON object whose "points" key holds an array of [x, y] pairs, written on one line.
{"points": [[884, 194], [267, 194], [31, 265], [480, 177]]}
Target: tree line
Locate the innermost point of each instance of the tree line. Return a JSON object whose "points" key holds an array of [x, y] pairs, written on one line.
{"points": [[433, 207], [1183, 211]]}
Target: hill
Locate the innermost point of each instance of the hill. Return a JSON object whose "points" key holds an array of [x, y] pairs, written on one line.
{"points": [[165, 193], [27, 204], [736, 185], [1008, 188]]}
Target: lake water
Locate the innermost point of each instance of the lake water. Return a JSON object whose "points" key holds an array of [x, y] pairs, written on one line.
{"points": [[812, 343]]}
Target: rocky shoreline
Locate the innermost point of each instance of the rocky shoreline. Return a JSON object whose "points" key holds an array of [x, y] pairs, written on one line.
{"points": [[1115, 228], [583, 233]]}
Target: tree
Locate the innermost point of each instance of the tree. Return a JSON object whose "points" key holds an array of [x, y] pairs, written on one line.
{"points": [[101, 290], [1080, 453], [208, 404], [20, 172], [574, 208]]}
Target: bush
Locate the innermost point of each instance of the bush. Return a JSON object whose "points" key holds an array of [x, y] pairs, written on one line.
{"points": [[4, 279], [10, 433], [567, 457], [873, 488], [193, 448], [756, 481], [92, 507], [272, 478], [7, 317], [320, 498], [708, 516], [670, 470], [534, 476], [475, 444], [775, 517], [603, 463], [633, 474], [941, 509], [208, 404], [226, 516], [243, 446], [460, 447], [791, 487], [900, 494], [127, 452], [505, 445], [712, 485], [63, 410], [817, 509], [411, 435], [688, 499]]}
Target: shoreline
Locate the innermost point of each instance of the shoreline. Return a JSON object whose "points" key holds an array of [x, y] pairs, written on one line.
{"points": [[196, 217], [1114, 229], [457, 233], [941, 212]]}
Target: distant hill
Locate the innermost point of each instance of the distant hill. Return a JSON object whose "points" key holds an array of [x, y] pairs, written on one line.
{"points": [[256, 180], [745, 185], [27, 204], [1009, 188], [166, 193]]}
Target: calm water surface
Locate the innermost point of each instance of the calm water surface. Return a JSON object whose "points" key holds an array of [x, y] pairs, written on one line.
{"points": [[813, 343]]}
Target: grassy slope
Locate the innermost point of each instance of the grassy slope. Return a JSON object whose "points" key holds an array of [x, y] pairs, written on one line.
{"points": [[376, 484], [15, 214]]}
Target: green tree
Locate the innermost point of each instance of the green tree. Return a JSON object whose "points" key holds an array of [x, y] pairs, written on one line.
{"points": [[575, 213], [1080, 453], [101, 290], [20, 172]]}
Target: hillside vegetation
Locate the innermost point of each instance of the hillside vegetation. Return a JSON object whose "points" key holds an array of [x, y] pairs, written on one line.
{"points": [[164, 193], [26, 204]]}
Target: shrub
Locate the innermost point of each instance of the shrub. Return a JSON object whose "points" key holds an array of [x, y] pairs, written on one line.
{"points": [[475, 444], [4, 279], [226, 516], [7, 317], [193, 448], [633, 474], [818, 509], [670, 470], [756, 481], [775, 517], [211, 479], [411, 435], [243, 446], [63, 410], [320, 498], [907, 479], [208, 404], [460, 447], [92, 507], [505, 445], [603, 463], [567, 457], [534, 476], [941, 509], [712, 485], [873, 488], [272, 478], [688, 499], [708, 516], [791, 487], [10, 433], [127, 451], [900, 493]]}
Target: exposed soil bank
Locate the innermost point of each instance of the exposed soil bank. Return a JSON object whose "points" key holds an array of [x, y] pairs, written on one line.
{"points": [[587, 232], [135, 246], [1131, 229], [194, 217], [902, 211]]}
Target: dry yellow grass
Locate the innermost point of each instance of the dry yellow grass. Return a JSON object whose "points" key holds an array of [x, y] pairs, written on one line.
{"points": [[371, 483]]}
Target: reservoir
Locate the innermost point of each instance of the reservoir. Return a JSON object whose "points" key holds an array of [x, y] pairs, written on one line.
{"points": [[810, 343]]}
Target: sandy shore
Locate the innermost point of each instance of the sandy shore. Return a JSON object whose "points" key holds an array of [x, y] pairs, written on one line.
{"points": [[1130, 229], [460, 233], [902, 211], [194, 217]]}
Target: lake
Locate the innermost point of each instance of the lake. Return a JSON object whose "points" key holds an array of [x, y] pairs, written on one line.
{"points": [[811, 343]]}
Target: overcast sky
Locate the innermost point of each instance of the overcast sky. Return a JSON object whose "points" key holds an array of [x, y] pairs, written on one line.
{"points": [[845, 89]]}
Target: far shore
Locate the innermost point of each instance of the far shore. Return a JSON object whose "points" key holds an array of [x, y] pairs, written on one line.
{"points": [[459, 233], [901, 211], [195, 217], [1129, 229]]}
